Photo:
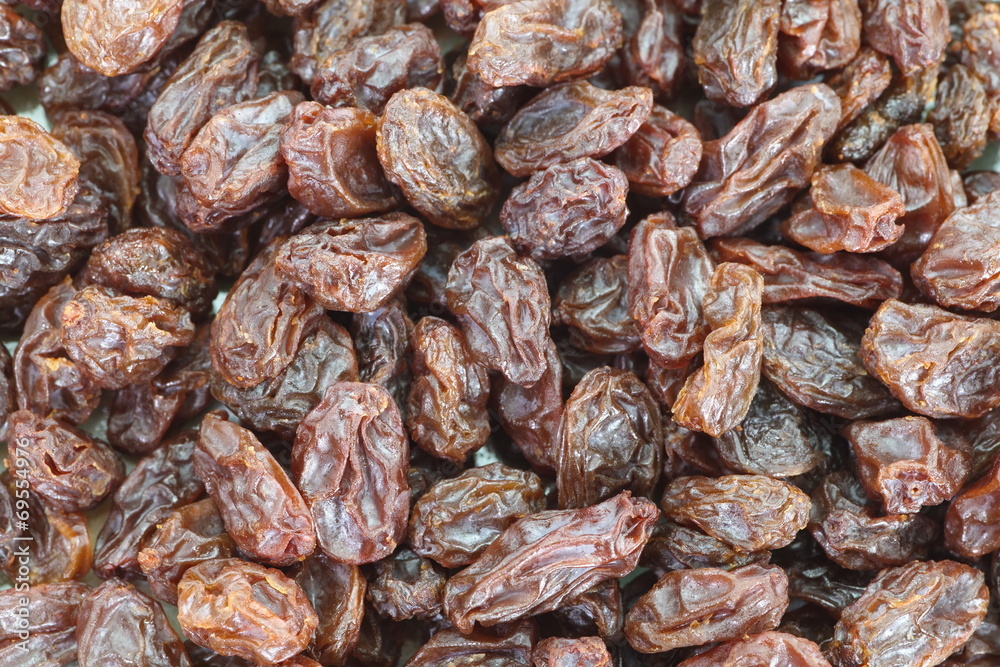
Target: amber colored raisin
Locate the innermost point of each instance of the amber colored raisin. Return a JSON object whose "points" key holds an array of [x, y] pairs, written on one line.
{"points": [[570, 121], [438, 157], [236, 607], [40, 174], [316, 145]]}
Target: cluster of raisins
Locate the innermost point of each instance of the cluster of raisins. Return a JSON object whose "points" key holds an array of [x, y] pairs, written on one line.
{"points": [[564, 333]]}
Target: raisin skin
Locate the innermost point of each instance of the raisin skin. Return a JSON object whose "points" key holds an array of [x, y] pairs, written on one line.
{"points": [[961, 116], [542, 42], [485, 284], [316, 144], [40, 174], [438, 157], [694, 607], [508, 646], [239, 608], [948, 599], [570, 121], [611, 439], [349, 460], [263, 512], [567, 209], [817, 35], [749, 512]]}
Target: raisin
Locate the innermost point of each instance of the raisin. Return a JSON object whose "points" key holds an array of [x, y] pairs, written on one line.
{"points": [[676, 547], [717, 396], [263, 512], [736, 50], [905, 464], [668, 277], [566, 209], [438, 157], [236, 607], [502, 304], [185, 537], [120, 340], [234, 164], [936, 363], [154, 262], [120, 625], [546, 558], [541, 42], [560, 652], [653, 54], [817, 35], [611, 439], [40, 174], [510, 647], [946, 598], [349, 460], [337, 593], [694, 607], [662, 156], [316, 145], [371, 69], [222, 70], [65, 467], [815, 360], [354, 265], [961, 116], [592, 302], [278, 405], [749, 512], [791, 276], [531, 415], [383, 340], [860, 83], [756, 169], [855, 535], [570, 121], [159, 484], [765, 648], [913, 32], [23, 49], [446, 411], [406, 586], [970, 526]]}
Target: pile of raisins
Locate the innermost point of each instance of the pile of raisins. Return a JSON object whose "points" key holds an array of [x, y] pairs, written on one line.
{"points": [[552, 333]]}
